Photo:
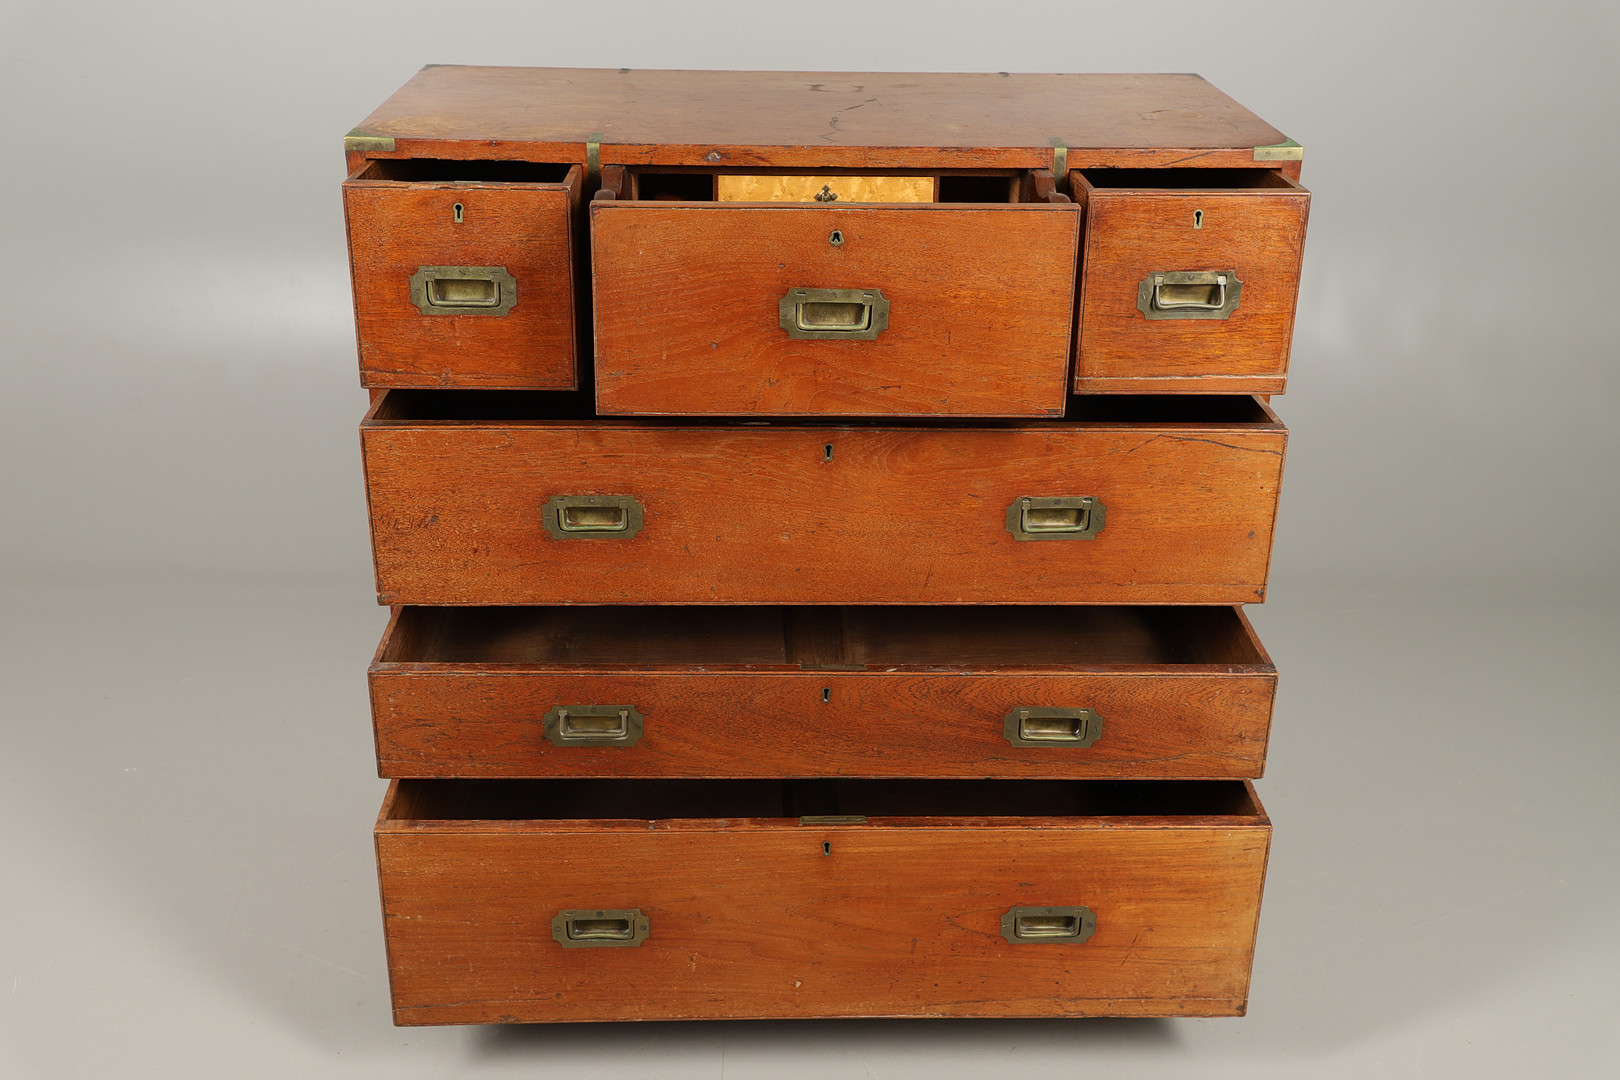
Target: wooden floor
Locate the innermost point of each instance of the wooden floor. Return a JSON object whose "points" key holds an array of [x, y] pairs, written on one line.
{"points": [[188, 876]]}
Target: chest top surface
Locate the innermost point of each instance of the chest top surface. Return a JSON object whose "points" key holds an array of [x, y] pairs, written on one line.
{"points": [[796, 119]]}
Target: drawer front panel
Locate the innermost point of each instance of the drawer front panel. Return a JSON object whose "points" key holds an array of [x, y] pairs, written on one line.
{"points": [[492, 724], [790, 515], [773, 918], [689, 309], [480, 296], [1254, 238]]}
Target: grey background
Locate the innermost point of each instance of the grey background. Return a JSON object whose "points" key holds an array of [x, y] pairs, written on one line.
{"points": [[186, 775]]}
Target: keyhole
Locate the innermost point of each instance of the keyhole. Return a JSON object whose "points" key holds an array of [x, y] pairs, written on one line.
{"points": [[1198, 219], [826, 693], [459, 210], [826, 452], [826, 847], [836, 238]]}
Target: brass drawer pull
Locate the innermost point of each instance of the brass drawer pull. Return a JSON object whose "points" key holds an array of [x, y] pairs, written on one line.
{"points": [[833, 314], [463, 290], [1189, 294], [1048, 925], [1061, 517], [593, 725], [577, 517], [602, 929], [1039, 726]]}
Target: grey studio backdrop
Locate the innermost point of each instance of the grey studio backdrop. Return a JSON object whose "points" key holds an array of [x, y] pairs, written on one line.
{"points": [[186, 771]]}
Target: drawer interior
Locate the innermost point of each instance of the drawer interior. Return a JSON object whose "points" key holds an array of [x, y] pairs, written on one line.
{"points": [[569, 799], [471, 406], [1187, 179], [842, 638], [804, 185], [444, 171]]}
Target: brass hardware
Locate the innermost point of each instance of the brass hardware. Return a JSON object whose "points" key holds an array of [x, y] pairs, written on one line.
{"points": [[358, 141], [593, 725], [593, 154], [1043, 726], [459, 213], [1060, 159], [571, 517], [607, 928], [1059, 517], [463, 290], [733, 187], [1048, 925], [833, 314], [836, 238], [833, 819], [1198, 219], [1287, 150], [1189, 294]]}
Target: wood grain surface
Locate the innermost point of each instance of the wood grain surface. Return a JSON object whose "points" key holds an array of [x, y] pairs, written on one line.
{"points": [[744, 692], [817, 514], [687, 308], [768, 917], [397, 227], [1258, 232], [808, 119]]}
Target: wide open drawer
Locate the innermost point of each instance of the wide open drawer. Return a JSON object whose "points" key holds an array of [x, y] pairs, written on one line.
{"points": [[771, 692], [464, 272], [1166, 500], [1189, 279], [933, 307], [576, 900]]}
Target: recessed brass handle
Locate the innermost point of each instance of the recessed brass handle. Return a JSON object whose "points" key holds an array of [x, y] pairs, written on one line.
{"points": [[1189, 294], [594, 725], [604, 928], [1048, 925], [463, 290], [1055, 517], [579, 517], [833, 314], [1036, 725]]}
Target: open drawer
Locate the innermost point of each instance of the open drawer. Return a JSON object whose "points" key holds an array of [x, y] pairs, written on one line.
{"points": [[893, 295], [1189, 279], [569, 900], [464, 273], [1173, 692], [504, 498]]}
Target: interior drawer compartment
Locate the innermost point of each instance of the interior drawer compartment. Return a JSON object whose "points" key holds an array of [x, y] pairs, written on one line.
{"points": [[484, 498], [464, 272], [917, 305], [1062, 692], [570, 900], [1189, 279]]}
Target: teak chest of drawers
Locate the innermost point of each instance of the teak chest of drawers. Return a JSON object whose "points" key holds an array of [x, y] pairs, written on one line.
{"points": [[816, 511]]}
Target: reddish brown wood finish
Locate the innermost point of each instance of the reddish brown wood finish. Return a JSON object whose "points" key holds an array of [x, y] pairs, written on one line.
{"points": [[768, 917], [396, 227], [743, 692], [769, 514], [1256, 231], [816, 119], [687, 308]]}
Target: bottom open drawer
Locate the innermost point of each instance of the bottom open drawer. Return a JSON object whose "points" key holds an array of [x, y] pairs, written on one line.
{"points": [[569, 900]]}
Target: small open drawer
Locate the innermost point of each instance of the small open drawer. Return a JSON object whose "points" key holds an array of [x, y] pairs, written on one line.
{"points": [[570, 900], [1189, 279], [832, 293], [464, 273], [1171, 692]]}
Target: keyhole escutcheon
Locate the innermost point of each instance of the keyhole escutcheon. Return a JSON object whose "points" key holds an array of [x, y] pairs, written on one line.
{"points": [[1198, 219], [459, 212]]}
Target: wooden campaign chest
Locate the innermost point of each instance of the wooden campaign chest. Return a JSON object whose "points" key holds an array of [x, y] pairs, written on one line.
{"points": [[817, 511]]}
